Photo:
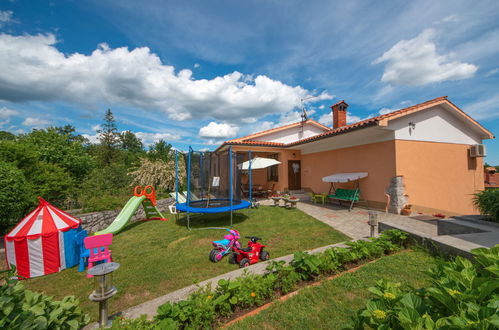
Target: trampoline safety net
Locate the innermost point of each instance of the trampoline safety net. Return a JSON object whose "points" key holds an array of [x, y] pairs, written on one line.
{"points": [[213, 182]]}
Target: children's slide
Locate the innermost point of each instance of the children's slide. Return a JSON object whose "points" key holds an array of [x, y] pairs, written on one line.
{"points": [[140, 198]]}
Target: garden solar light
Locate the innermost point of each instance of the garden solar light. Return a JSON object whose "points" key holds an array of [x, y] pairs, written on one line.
{"points": [[103, 288], [373, 221]]}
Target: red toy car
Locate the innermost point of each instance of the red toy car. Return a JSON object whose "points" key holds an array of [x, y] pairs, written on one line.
{"points": [[249, 255]]}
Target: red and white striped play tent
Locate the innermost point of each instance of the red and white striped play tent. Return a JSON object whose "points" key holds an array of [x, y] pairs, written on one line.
{"points": [[43, 242]]}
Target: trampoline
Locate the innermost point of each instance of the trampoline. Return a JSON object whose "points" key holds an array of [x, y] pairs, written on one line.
{"points": [[213, 183]]}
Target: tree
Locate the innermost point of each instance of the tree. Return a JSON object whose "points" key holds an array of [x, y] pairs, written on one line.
{"points": [[132, 148], [107, 188], [15, 195], [19, 154], [160, 150], [52, 182], [159, 174], [63, 149], [130, 142], [4, 135], [109, 138]]}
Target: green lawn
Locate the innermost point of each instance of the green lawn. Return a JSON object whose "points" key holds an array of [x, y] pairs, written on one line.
{"points": [[159, 257], [331, 304]]}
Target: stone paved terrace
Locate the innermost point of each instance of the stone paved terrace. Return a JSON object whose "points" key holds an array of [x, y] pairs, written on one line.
{"points": [[354, 223], [459, 235]]}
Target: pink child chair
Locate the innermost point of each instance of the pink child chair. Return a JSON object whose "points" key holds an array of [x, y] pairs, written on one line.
{"points": [[98, 247]]}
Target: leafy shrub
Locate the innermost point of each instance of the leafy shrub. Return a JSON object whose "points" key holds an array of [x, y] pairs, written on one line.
{"points": [[140, 323], [462, 295], [203, 307], [487, 202], [286, 276], [25, 309], [307, 265]]}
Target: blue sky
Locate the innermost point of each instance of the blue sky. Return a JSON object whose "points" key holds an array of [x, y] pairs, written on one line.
{"points": [[200, 72]]}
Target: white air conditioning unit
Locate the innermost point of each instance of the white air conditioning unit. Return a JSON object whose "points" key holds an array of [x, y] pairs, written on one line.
{"points": [[477, 150]]}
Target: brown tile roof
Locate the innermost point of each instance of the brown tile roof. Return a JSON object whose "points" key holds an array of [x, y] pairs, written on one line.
{"points": [[277, 129], [378, 120], [372, 121], [260, 143]]}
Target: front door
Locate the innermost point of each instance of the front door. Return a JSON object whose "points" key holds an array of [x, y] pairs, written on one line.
{"points": [[294, 174]]}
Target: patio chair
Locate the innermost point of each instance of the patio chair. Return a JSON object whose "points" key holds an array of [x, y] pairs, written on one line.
{"points": [[98, 247], [271, 190], [84, 253], [318, 197]]}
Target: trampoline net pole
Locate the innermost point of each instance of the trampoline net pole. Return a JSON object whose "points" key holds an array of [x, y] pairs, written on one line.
{"points": [[231, 165], [250, 179], [176, 176], [188, 185]]}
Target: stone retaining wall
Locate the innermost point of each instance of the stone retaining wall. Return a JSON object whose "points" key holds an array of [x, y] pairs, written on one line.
{"points": [[96, 221]]}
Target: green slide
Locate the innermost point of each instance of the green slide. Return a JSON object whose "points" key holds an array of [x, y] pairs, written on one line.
{"points": [[125, 215]]}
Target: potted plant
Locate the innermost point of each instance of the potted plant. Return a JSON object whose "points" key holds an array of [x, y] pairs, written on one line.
{"points": [[406, 210]]}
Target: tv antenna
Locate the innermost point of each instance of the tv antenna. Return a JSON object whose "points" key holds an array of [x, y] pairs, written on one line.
{"points": [[304, 114]]}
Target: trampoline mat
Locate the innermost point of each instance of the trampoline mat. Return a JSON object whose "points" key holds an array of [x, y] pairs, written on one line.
{"points": [[213, 206]]}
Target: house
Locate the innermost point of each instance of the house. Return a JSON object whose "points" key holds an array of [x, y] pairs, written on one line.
{"points": [[419, 155], [491, 179]]}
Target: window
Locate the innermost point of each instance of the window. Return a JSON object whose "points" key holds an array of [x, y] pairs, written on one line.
{"points": [[273, 171]]}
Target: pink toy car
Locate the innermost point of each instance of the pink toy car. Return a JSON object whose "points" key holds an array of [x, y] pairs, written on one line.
{"points": [[224, 246]]}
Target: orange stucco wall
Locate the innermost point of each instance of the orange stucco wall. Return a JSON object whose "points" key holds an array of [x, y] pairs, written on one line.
{"points": [[260, 176], [439, 176], [378, 159]]}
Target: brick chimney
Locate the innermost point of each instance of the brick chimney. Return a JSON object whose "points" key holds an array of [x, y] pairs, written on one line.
{"points": [[339, 112]]}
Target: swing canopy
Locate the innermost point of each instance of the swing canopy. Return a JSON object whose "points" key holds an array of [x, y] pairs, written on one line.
{"points": [[344, 177]]}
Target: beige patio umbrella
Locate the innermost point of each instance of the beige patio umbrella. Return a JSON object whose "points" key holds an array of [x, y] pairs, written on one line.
{"points": [[258, 163]]}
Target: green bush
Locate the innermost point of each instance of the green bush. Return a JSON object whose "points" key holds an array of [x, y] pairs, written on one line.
{"points": [[25, 309], [487, 202], [140, 323], [462, 295], [16, 196]]}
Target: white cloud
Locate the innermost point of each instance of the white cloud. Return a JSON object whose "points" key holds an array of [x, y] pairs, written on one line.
{"points": [[416, 62], [96, 127], [448, 19], [36, 122], [197, 65], [6, 113], [352, 119], [492, 72], [5, 17], [384, 111], [289, 118], [91, 138], [326, 119], [249, 120], [33, 69], [217, 131], [149, 138], [322, 106], [484, 109]]}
